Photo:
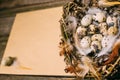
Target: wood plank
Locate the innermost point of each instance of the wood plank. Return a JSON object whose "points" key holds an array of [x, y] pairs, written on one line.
{"points": [[18, 3], [11, 8], [6, 25]]}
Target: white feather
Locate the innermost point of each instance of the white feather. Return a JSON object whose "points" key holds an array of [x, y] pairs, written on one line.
{"points": [[94, 10], [107, 49]]}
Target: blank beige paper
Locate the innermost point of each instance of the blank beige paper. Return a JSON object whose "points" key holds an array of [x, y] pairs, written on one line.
{"points": [[34, 40]]}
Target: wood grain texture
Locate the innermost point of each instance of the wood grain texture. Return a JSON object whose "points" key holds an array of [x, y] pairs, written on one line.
{"points": [[8, 8], [18, 3], [6, 25]]}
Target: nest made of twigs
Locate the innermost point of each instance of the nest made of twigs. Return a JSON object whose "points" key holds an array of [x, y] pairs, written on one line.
{"points": [[90, 40]]}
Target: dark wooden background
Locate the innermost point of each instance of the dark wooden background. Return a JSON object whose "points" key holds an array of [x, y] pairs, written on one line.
{"points": [[8, 11]]}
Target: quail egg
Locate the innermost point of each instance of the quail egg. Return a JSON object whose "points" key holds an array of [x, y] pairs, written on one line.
{"points": [[92, 29], [112, 31], [96, 37], [81, 31], [96, 46], [86, 20], [103, 28], [103, 25], [100, 17], [85, 42], [111, 21]]}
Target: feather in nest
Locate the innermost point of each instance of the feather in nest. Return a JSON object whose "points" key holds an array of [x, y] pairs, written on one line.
{"points": [[86, 64]]}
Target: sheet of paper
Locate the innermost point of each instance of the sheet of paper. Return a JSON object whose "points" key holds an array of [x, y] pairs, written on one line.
{"points": [[34, 41]]}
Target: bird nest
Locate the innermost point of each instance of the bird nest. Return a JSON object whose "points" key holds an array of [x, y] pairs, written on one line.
{"points": [[90, 39]]}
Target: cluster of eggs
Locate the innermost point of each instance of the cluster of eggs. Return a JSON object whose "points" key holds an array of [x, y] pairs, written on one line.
{"points": [[97, 30]]}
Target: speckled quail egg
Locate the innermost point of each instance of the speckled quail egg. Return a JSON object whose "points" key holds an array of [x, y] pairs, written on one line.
{"points": [[96, 46], [103, 25], [85, 42], [100, 17], [96, 37], [112, 31], [86, 20], [103, 28], [92, 29], [111, 21], [81, 31], [71, 23]]}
